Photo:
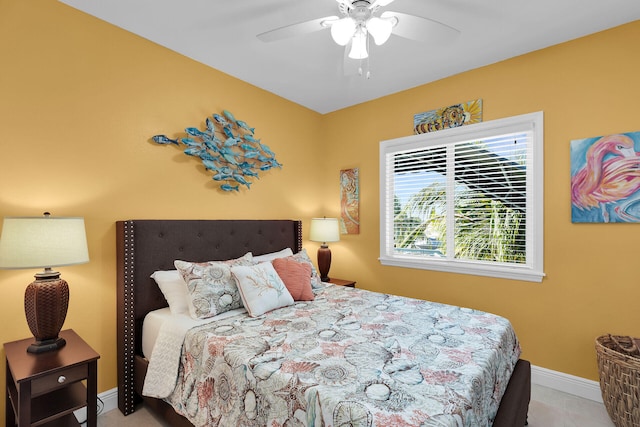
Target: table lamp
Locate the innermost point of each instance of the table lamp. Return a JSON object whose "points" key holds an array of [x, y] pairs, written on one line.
{"points": [[44, 242], [324, 230]]}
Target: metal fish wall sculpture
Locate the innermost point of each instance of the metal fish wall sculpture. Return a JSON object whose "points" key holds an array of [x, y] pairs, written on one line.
{"points": [[228, 148]]}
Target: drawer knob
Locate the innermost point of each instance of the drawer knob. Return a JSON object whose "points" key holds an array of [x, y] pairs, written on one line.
{"points": [[62, 379]]}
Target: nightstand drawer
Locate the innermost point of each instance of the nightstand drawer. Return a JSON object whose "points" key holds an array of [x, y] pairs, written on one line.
{"points": [[61, 378]]}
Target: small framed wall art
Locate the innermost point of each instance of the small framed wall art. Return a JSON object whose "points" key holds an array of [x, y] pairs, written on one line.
{"points": [[349, 201], [462, 114]]}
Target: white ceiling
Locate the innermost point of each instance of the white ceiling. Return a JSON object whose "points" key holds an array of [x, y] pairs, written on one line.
{"points": [[308, 69]]}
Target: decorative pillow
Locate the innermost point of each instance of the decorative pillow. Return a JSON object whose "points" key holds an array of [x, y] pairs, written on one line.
{"points": [[302, 256], [261, 288], [211, 287], [273, 255], [174, 290], [296, 277]]}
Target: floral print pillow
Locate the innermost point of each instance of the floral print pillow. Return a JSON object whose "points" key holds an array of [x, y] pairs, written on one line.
{"points": [[302, 256], [212, 289]]}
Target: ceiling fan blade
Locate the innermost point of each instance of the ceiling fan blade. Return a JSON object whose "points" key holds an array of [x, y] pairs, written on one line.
{"points": [[293, 30], [380, 3], [422, 29]]}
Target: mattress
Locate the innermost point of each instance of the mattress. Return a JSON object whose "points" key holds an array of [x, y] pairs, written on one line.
{"points": [[151, 328]]}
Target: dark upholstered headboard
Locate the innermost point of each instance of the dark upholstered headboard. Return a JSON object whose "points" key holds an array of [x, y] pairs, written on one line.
{"points": [[145, 246]]}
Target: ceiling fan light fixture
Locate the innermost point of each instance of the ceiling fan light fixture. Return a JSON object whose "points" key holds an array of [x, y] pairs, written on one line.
{"points": [[343, 30], [359, 45], [380, 29]]}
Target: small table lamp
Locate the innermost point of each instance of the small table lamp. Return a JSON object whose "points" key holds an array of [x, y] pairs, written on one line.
{"points": [[34, 242], [324, 230]]}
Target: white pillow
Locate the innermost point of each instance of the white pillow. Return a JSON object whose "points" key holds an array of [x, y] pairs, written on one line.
{"points": [[174, 290], [273, 255], [261, 289]]}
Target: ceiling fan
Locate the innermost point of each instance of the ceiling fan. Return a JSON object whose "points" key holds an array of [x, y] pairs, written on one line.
{"points": [[359, 20]]}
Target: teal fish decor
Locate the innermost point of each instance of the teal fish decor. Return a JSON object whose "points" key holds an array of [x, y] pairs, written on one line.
{"points": [[228, 149]]}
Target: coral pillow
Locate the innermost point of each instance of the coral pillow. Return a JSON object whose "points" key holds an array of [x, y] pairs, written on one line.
{"points": [[296, 277]]}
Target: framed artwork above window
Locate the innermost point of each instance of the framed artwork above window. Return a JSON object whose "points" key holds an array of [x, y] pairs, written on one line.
{"points": [[466, 200]]}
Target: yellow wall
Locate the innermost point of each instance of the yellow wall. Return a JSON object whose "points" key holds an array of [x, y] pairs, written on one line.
{"points": [[80, 98], [586, 88], [79, 101]]}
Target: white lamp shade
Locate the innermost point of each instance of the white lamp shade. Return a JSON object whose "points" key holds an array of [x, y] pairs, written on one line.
{"points": [[324, 230], [380, 29], [40, 242], [359, 45], [342, 30]]}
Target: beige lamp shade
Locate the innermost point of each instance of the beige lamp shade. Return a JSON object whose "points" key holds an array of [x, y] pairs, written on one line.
{"points": [[39, 242], [324, 230]]}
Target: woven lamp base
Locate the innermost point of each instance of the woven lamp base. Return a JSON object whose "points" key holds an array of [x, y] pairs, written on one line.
{"points": [[46, 301]]}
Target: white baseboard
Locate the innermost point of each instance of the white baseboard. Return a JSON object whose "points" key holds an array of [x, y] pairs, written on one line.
{"points": [[566, 383], [560, 381], [109, 400]]}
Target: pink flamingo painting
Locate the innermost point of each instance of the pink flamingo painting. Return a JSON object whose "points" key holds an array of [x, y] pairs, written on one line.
{"points": [[611, 174]]}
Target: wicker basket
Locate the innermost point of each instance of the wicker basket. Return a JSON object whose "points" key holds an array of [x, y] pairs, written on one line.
{"points": [[619, 368]]}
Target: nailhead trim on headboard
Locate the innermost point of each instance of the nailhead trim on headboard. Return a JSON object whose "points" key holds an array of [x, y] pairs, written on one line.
{"points": [[127, 316], [299, 234]]}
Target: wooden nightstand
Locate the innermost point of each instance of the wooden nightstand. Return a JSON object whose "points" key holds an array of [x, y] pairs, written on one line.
{"points": [[45, 388], [341, 282]]}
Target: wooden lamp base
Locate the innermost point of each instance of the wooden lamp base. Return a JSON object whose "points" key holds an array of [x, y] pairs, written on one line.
{"points": [[324, 262]]}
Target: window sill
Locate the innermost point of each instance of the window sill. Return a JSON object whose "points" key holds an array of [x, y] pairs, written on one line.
{"points": [[503, 272]]}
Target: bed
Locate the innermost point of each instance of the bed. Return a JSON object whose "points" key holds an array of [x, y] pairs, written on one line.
{"points": [[146, 246]]}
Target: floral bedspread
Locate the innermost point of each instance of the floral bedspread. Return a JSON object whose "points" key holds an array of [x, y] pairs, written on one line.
{"points": [[349, 358]]}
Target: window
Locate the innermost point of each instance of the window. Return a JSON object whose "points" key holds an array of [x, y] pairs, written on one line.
{"points": [[466, 200]]}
